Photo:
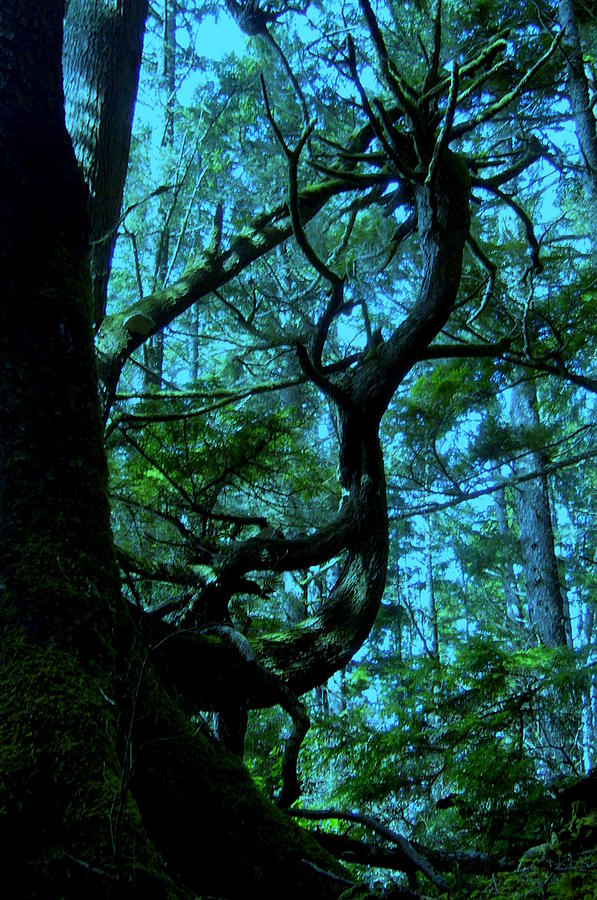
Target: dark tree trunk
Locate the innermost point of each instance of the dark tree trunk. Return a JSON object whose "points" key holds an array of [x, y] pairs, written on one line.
{"points": [[544, 596], [59, 586], [106, 785], [513, 607], [54, 510], [153, 349], [431, 612]]}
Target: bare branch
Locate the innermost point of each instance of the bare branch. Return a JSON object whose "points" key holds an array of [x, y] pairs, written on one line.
{"points": [[427, 508], [444, 136], [393, 80], [491, 269], [369, 822], [433, 63], [532, 241], [378, 127]]}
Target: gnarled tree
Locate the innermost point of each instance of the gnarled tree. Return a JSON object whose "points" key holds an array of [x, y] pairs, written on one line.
{"points": [[106, 772]]}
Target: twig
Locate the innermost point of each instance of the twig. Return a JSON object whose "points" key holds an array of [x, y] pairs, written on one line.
{"points": [[491, 268], [444, 135], [491, 111]]}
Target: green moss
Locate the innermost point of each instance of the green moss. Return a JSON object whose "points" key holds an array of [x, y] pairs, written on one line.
{"points": [[574, 886], [203, 811], [557, 876], [66, 828]]}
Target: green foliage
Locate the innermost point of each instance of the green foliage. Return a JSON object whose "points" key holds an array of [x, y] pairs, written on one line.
{"points": [[446, 745], [445, 742]]}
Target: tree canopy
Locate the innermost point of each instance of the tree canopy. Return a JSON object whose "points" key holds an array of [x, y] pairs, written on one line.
{"points": [[297, 467]]}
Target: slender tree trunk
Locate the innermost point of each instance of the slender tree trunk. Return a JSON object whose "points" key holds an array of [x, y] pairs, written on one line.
{"points": [[431, 612], [153, 361], [154, 348], [544, 597], [589, 697], [513, 607], [194, 343], [567, 619], [398, 637]]}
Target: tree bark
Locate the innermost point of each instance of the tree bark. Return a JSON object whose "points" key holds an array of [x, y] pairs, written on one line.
{"points": [[153, 349], [513, 607], [578, 89], [103, 44], [544, 596], [54, 473], [431, 614], [107, 789], [59, 586]]}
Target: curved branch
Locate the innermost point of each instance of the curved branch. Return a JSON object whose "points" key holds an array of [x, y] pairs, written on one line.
{"points": [[413, 856], [443, 139], [522, 215], [349, 849], [387, 118], [491, 270], [491, 111], [310, 652], [325, 385], [403, 95], [115, 343], [443, 217]]}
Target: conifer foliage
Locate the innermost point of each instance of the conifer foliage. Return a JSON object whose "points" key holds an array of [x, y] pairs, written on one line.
{"points": [[297, 467]]}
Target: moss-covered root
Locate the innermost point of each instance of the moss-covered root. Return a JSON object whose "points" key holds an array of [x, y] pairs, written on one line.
{"points": [[63, 833], [203, 812]]}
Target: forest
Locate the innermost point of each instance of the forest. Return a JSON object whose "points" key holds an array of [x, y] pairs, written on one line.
{"points": [[298, 313]]}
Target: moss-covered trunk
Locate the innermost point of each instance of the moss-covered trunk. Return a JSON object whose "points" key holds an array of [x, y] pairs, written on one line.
{"points": [[56, 555], [59, 587], [106, 789]]}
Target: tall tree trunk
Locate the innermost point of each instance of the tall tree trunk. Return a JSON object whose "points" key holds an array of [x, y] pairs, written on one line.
{"points": [[101, 771], [544, 597], [154, 347], [59, 584], [194, 325], [578, 89], [431, 612], [513, 607], [103, 43], [589, 697], [54, 511]]}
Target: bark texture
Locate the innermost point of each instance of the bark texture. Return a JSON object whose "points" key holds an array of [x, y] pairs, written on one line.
{"points": [[103, 43], [544, 597], [106, 789], [578, 89], [51, 457], [513, 608]]}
